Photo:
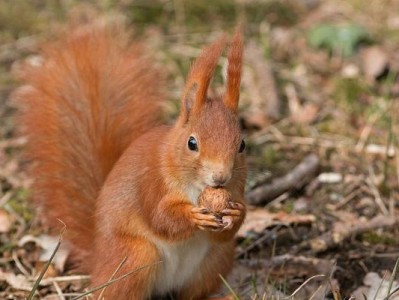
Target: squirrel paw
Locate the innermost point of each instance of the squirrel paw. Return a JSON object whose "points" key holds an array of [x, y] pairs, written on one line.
{"points": [[205, 220], [233, 215]]}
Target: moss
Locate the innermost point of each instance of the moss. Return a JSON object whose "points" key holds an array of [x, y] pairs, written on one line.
{"points": [[288, 206], [21, 206], [278, 13], [270, 156], [20, 17], [219, 11], [7, 247], [350, 94], [208, 15], [375, 238], [163, 14]]}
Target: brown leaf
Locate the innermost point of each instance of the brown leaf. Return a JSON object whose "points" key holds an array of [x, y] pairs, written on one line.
{"points": [[300, 113], [18, 282], [48, 244], [306, 115], [5, 221], [379, 288], [50, 272], [258, 219], [256, 119], [374, 62]]}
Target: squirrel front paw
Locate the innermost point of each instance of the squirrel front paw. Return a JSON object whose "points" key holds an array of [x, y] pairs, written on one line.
{"points": [[232, 215], [206, 220]]}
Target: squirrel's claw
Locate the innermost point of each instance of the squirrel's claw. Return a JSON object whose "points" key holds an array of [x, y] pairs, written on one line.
{"points": [[232, 215], [228, 222], [205, 220], [200, 210], [231, 212], [236, 205]]}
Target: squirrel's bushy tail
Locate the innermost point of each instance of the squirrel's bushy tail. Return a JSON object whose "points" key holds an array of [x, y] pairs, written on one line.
{"points": [[90, 97]]}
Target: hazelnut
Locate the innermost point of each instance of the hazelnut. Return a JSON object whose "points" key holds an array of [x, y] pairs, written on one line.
{"points": [[215, 199]]}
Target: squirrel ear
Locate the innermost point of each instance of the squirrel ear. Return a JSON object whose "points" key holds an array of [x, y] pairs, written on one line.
{"points": [[195, 91], [189, 98], [234, 61]]}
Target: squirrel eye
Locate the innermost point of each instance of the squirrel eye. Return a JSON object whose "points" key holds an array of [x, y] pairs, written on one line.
{"points": [[242, 146], [192, 144]]}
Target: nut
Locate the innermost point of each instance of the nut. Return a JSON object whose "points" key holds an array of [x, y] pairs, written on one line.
{"points": [[215, 199]]}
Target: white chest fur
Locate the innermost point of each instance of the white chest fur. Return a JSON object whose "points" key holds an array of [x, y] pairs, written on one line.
{"points": [[193, 195], [180, 261]]}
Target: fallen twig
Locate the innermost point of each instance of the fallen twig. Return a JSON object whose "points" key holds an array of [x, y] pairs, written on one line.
{"points": [[296, 179], [344, 230], [50, 280], [370, 182]]}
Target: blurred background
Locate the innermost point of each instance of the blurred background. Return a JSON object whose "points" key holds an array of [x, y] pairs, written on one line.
{"points": [[319, 111]]}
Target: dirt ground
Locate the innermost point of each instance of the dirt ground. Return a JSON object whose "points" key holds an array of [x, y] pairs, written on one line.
{"points": [[319, 111]]}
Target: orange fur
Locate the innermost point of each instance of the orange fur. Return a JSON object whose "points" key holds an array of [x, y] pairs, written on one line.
{"points": [[124, 186], [80, 110], [234, 72], [199, 78]]}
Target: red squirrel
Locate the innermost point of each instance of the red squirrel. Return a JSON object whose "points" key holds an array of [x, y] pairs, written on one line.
{"points": [[125, 185]]}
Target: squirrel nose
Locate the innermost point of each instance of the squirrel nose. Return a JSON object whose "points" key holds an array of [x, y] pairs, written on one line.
{"points": [[218, 173], [220, 179]]}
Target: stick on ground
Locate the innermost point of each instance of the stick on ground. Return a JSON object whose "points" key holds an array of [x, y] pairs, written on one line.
{"points": [[296, 179], [342, 231]]}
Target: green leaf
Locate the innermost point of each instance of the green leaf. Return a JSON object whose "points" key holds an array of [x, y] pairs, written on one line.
{"points": [[337, 38]]}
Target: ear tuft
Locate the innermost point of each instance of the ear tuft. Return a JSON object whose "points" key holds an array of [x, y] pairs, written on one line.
{"points": [[195, 92], [189, 99], [234, 67]]}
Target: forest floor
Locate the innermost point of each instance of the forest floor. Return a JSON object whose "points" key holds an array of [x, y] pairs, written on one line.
{"points": [[319, 110]]}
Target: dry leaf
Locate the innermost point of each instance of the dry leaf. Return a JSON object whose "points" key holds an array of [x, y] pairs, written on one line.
{"points": [[5, 221], [256, 119], [48, 244], [18, 282], [301, 114], [374, 62], [50, 272], [379, 287], [306, 114], [258, 219]]}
